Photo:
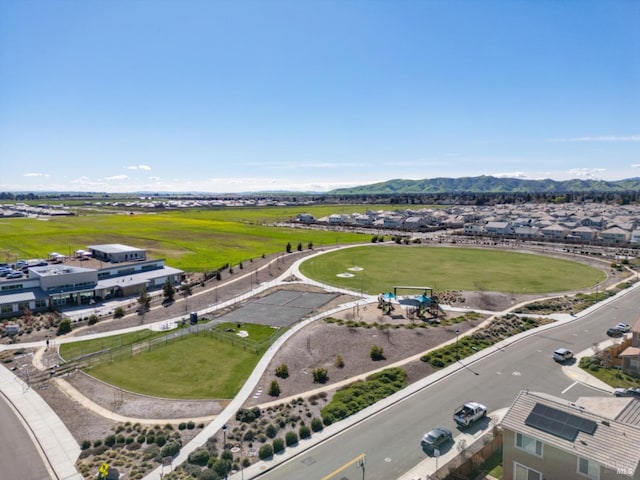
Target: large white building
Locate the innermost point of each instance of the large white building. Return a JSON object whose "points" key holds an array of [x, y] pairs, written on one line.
{"points": [[111, 271]]}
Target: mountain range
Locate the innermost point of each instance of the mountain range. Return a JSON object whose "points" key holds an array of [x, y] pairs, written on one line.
{"points": [[489, 184]]}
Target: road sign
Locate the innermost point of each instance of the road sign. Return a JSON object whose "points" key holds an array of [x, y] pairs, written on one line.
{"points": [[103, 471]]}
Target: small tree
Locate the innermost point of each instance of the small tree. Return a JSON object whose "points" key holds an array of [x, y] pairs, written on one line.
{"points": [[291, 438], [64, 327], [289, 247], [377, 353], [143, 299], [168, 291], [282, 371], [339, 362], [320, 375], [310, 246], [118, 312], [299, 246], [274, 389]]}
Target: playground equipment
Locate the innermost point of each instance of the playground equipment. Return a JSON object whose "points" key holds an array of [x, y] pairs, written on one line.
{"points": [[424, 304]]}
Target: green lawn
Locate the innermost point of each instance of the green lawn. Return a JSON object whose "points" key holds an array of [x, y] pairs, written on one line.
{"points": [[192, 240], [194, 367], [442, 268]]}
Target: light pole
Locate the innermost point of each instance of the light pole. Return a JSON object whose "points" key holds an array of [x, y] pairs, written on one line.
{"points": [[224, 446], [457, 346]]}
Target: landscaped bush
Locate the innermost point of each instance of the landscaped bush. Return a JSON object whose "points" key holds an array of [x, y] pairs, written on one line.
{"points": [[86, 444], [282, 371], [274, 388], [316, 424], [291, 438], [377, 353], [271, 431], [304, 431], [110, 440], [265, 452], [320, 375], [339, 362], [278, 445], [361, 394], [199, 456], [248, 415]]}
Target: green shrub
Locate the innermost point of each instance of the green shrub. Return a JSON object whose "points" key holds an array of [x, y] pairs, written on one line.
{"points": [[316, 424], [304, 431], [320, 375], [191, 425], [265, 452], [110, 440], [64, 327], [199, 456], [271, 431], [246, 415], [339, 362], [291, 438], [282, 371], [377, 353], [274, 388], [278, 445], [86, 444], [161, 440]]}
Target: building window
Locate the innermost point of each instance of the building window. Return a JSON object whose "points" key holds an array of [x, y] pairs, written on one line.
{"points": [[528, 444], [522, 472], [589, 468]]}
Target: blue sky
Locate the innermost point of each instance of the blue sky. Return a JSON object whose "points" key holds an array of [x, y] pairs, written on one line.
{"points": [[241, 96]]}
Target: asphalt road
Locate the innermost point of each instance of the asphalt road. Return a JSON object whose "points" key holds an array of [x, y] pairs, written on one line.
{"points": [[18, 455], [391, 439]]}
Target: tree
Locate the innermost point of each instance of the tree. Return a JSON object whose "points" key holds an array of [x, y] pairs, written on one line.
{"points": [[64, 327], [289, 247], [274, 389], [299, 246], [168, 291], [144, 299], [339, 362], [310, 246]]}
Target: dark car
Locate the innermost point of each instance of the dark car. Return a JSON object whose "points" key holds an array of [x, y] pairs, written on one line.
{"points": [[436, 437], [627, 392], [615, 332]]}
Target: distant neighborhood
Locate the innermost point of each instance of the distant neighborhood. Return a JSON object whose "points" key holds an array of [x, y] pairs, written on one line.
{"points": [[579, 223]]}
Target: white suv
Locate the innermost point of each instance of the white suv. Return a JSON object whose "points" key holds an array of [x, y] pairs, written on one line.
{"points": [[561, 355]]}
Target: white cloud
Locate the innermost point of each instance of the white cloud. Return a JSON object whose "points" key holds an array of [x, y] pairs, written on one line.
{"points": [[138, 167], [587, 173], [602, 138], [520, 175], [635, 165], [117, 178], [36, 174]]}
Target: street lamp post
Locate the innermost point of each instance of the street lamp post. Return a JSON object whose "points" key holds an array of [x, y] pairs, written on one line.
{"points": [[457, 346], [224, 446]]}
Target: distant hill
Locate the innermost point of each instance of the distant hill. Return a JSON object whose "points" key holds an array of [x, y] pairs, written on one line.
{"points": [[488, 184]]}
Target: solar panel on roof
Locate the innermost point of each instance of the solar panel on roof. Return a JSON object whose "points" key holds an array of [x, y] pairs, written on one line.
{"points": [[559, 423]]}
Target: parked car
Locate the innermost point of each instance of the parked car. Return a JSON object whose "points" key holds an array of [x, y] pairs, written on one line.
{"points": [[15, 275], [625, 327], [436, 437], [627, 392], [561, 355], [615, 332]]}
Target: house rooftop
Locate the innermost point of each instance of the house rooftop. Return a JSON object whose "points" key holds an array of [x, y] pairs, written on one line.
{"points": [[580, 429]]}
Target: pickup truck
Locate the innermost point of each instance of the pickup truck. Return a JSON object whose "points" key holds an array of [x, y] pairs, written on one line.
{"points": [[469, 413]]}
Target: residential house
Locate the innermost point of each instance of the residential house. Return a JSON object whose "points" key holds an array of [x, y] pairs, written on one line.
{"points": [[614, 235], [631, 355], [498, 228], [554, 232], [549, 438], [635, 236], [583, 234]]}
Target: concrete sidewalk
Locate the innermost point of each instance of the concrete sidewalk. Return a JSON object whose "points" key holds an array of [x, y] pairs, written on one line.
{"points": [[58, 449]]}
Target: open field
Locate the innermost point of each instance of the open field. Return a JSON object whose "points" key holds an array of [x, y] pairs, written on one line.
{"points": [[192, 240], [443, 268]]}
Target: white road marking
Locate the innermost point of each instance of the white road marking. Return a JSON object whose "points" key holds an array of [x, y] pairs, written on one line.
{"points": [[568, 388]]}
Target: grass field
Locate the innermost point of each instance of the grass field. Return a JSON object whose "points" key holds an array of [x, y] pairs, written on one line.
{"points": [[69, 351], [194, 367], [441, 268], [192, 240]]}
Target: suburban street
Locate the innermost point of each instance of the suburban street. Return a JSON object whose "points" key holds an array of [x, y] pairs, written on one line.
{"points": [[391, 438], [18, 455]]}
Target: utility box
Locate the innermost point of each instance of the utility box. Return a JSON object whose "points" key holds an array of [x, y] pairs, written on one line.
{"points": [[194, 318], [12, 329]]}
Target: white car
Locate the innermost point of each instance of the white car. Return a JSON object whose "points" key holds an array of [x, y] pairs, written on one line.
{"points": [[623, 327]]}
